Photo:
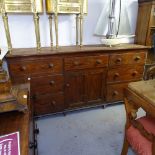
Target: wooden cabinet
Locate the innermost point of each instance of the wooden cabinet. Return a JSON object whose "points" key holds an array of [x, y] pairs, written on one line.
{"points": [[73, 77], [145, 22], [146, 28]]}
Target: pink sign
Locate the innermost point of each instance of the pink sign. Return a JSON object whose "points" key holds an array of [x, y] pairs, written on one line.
{"points": [[9, 144]]}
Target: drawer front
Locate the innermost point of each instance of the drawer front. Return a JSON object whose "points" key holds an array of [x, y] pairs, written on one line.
{"points": [[48, 84], [127, 58], [69, 1], [37, 66], [45, 104], [74, 63], [115, 92], [125, 74], [68, 9]]}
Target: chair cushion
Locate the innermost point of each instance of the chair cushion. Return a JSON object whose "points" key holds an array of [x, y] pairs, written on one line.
{"points": [[139, 143]]}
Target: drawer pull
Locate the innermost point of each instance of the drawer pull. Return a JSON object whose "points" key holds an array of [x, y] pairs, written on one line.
{"points": [[118, 60], [134, 73], [67, 85], [98, 61], [51, 65], [76, 63], [53, 103], [52, 82], [116, 75], [28, 78], [137, 58], [23, 68], [115, 93]]}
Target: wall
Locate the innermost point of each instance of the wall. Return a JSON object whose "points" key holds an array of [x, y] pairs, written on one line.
{"points": [[23, 35]]}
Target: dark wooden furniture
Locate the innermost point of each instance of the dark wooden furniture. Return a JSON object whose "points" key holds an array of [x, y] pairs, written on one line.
{"points": [[74, 77], [23, 122], [146, 27], [140, 94], [145, 22]]}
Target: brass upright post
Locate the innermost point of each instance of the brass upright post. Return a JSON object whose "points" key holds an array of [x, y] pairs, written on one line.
{"points": [[37, 31], [77, 29], [36, 23], [51, 30], [81, 30], [56, 29], [81, 23], [7, 31]]}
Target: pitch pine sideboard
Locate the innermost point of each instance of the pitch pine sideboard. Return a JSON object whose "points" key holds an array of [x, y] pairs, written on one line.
{"points": [[74, 77]]}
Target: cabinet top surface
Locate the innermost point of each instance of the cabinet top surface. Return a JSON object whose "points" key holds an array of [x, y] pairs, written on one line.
{"points": [[142, 1], [20, 52]]}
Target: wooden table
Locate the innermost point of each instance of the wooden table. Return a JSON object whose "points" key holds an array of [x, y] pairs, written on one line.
{"points": [[142, 94]]}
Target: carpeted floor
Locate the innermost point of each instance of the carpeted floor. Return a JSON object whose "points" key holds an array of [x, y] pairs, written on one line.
{"points": [[87, 132]]}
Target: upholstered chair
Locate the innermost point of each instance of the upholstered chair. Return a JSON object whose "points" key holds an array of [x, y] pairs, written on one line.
{"points": [[139, 132]]}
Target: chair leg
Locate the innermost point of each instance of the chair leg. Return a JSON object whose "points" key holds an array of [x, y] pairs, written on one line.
{"points": [[125, 147]]}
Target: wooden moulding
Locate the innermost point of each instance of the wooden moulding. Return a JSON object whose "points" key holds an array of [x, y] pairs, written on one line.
{"points": [[144, 1]]}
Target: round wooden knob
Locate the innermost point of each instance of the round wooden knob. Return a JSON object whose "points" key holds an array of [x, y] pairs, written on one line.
{"points": [[137, 58], [23, 68], [116, 75], [67, 85], [98, 61], [115, 93], [51, 65], [52, 82], [76, 63], [53, 103], [134, 73], [118, 60]]}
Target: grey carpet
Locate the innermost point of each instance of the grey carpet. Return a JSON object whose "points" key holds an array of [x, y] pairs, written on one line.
{"points": [[87, 132]]}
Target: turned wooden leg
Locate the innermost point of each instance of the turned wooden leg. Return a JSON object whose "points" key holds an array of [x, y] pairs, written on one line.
{"points": [[125, 147]]}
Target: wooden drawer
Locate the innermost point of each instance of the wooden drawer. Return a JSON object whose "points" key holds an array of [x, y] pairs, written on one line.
{"points": [[37, 66], [132, 58], [125, 74], [115, 92], [45, 104], [47, 84], [68, 9], [68, 1], [74, 63]]}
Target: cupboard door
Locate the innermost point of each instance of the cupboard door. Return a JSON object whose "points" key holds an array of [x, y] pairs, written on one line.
{"points": [[74, 89], [95, 85]]}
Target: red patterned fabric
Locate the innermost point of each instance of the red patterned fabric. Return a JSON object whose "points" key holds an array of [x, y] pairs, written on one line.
{"points": [[139, 143]]}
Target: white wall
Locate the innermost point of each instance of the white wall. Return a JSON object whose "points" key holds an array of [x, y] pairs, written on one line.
{"points": [[23, 34]]}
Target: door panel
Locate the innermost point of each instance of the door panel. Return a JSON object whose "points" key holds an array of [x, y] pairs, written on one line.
{"points": [[74, 89], [95, 85]]}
